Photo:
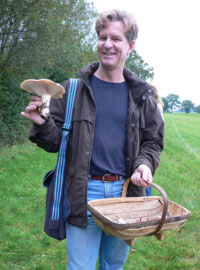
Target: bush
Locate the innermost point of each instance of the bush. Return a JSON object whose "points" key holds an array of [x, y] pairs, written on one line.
{"points": [[12, 101]]}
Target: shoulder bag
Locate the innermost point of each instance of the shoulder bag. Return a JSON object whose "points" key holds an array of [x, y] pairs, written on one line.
{"points": [[57, 203]]}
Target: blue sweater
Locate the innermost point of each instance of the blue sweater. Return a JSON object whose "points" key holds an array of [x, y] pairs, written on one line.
{"points": [[109, 145]]}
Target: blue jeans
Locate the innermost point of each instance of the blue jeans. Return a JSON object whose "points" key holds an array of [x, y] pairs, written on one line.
{"points": [[84, 245], [148, 191]]}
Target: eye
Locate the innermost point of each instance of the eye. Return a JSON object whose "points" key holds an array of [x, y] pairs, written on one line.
{"points": [[116, 39], [102, 38]]}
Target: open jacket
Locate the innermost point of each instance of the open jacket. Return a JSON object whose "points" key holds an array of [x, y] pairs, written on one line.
{"points": [[145, 135]]}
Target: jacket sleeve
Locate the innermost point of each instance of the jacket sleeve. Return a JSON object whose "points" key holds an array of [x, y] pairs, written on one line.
{"points": [[152, 139], [48, 136]]}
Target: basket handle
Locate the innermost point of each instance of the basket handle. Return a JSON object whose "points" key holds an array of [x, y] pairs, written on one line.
{"points": [[165, 200]]}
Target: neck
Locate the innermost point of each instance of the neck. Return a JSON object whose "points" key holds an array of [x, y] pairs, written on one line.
{"points": [[109, 75]]}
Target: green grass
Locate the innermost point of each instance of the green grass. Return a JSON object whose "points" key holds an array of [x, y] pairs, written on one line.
{"points": [[23, 245]]}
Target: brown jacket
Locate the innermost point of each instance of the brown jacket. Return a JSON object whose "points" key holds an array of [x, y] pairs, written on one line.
{"points": [[145, 135]]}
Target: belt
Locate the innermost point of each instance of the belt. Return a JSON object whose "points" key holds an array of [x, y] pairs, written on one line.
{"points": [[107, 177]]}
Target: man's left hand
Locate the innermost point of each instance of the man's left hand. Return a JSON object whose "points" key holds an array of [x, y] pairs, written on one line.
{"points": [[142, 176]]}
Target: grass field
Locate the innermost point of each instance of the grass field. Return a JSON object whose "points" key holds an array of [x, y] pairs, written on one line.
{"points": [[23, 245]]}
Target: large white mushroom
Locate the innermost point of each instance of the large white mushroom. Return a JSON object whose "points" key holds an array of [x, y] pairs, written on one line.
{"points": [[46, 89]]}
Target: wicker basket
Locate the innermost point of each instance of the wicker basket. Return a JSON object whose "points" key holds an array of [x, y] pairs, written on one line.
{"points": [[133, 217]]}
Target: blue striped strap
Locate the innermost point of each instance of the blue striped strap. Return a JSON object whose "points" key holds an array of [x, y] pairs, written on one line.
{"points": [[63, 148]]}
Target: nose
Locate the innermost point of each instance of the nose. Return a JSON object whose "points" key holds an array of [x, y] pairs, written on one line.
{"points": [[108, 44]]}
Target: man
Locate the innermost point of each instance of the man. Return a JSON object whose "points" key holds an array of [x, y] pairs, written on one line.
{"points": [[117, 132]]}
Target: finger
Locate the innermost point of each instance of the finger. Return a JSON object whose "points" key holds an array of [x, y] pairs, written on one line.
{"points": [[35, 98], [33, 117], [145, 174], [144, 183], [25, 115], [36, 103], [141, 182], [147, 182], [31, 108], [136, 177], [150, 179]]}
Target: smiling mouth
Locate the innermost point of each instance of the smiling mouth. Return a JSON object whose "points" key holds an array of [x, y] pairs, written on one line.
{"points": [[108, 54]]}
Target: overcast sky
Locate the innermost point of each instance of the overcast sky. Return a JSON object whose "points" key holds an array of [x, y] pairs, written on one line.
{"points": [[168, 40]]}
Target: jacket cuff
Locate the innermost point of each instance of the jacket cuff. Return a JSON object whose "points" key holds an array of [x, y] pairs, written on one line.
{"points": [[43, 129]]}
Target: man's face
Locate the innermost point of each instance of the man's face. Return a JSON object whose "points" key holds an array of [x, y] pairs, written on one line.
{"points": [[113, 47]]}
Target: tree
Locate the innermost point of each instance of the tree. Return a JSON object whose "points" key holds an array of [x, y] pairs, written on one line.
{"points": [[198, 109], [36, 35], [166, 105], [139, 67], [187, 105], [173, 102], [39, 39]]}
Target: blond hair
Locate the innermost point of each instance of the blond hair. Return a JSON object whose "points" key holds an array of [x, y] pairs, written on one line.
{"points": [[156, 95], [115, 15]]}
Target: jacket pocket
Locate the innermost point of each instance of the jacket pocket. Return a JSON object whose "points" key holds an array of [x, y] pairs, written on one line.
{"points": [[137, 121], [71, 171], [82, 119], [48, 178], [70, 175]]}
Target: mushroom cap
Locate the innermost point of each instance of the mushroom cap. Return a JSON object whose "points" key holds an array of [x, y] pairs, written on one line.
{"points": [[43, 87]]}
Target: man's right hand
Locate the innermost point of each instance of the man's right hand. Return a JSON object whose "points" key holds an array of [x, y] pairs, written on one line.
{"points": [[32, 111]]}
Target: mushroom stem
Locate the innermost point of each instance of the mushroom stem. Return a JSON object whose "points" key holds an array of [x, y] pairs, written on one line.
{"points": [[44, 109]]}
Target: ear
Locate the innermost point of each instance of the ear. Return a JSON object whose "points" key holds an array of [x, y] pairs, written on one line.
{"points": [[131, 46]]}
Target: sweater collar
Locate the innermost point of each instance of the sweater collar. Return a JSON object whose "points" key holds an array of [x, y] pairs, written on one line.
{"points": [[140, 90]]}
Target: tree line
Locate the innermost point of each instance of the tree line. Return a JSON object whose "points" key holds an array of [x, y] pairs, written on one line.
{"points": [[172, 103], [44, 39]]}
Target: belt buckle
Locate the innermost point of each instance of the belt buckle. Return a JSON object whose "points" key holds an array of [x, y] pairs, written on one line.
{"points": [[103, 178]]}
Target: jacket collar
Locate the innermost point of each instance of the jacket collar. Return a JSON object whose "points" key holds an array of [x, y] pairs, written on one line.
{"points": [[139, 89]]}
